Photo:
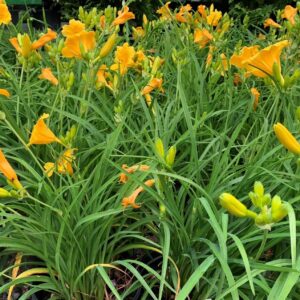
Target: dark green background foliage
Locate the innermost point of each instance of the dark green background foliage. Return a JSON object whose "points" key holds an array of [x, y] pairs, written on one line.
{"points": [[69, 8]]}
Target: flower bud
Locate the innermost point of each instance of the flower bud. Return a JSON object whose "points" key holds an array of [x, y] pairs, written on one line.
{"points": [[108, 46], [235, 207], [159, 146], [278, 210], [277, 74], [2, 116], [170, 158], [4, 193]]}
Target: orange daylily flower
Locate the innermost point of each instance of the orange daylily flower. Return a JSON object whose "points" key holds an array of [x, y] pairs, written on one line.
{"points": [[286, 138], [102, 76], [5, 16], [73, 28], [183, 15], [63, 165], [261, 64], [202, 10], [44, 39], [155, 83], [214, 16], [271, 23], [25, 47], [289, 13], [123, 16], [74, 44], [131, 170], [124, 58], [48, 75], [41, 134], [130, 200], [4, 92], [165, 12], [7, 170], [255, 93], [202, 37], [245, 54]]}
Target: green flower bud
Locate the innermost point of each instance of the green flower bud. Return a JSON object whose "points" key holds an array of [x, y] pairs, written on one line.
{"points": [[159, 146], [170, 158]]}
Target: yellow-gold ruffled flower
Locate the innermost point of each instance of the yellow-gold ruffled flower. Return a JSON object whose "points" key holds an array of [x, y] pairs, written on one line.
{"points": [[5, 93], [271, 23], [48, 75], [289, 13], [41, 134], [286, 138], [5, 16], [256, 94]]}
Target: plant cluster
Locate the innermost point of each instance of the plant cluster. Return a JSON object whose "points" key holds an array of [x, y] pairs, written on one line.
{"points": [[122, 148]]}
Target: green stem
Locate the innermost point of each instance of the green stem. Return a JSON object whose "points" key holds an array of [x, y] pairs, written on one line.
{"points": [[262, 245]]}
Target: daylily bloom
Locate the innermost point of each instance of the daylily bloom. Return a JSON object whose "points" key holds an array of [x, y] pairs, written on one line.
{"points": [[131, 170], [25, 47], [5, 16], [123, 16], [271, 23], [4, 92], [245, 54], [74, 45], [183, 15], [130, 200], [286, 138], [103, 76], [165, 12], [48, 75], [124, 58], [214, 16], [102, 22], [138, 32], [7, 170], [41, 134], [255, 93], [289, 13], [154, 83], [202, 10], [73, 28], [63, 164], [262, 63], [202, 37], [235, 207], [44, 39]]}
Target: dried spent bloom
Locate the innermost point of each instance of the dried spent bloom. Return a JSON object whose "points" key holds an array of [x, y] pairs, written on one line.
{"points": [[286, 138], [73, 28], [124, 15], [48, 75], [271, 23], [255, 93], [5, 93], [41, 134], [130, 200]]}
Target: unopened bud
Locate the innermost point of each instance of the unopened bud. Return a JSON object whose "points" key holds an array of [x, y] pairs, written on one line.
{"points": [[170, 158], [159, 146]]}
